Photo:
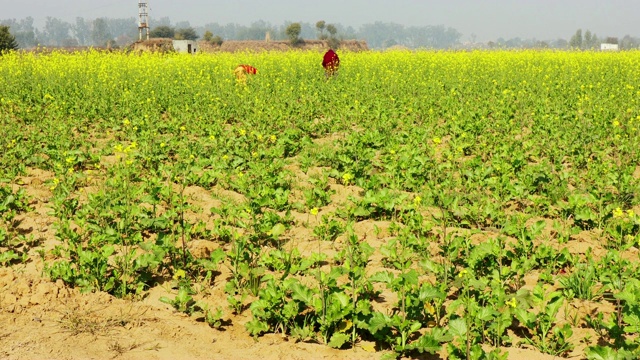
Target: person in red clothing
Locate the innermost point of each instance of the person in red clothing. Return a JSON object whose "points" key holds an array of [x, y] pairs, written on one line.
{"points": [[243, 70], [330, 63]]}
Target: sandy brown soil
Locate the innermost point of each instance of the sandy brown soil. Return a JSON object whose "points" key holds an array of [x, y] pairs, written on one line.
{"points": [[47, 320]]}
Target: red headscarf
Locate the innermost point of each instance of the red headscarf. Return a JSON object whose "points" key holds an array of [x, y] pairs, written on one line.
{"points": [[330, 61], [249, 69]]}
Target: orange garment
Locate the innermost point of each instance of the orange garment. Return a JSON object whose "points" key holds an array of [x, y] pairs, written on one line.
{"points": [[242, 70]]}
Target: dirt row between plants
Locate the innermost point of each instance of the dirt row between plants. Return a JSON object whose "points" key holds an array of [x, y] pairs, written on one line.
{"points": [[45, 319]]}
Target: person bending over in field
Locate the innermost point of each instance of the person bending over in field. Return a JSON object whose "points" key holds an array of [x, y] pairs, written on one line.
{"points": [[243, 70], [330, 63]]}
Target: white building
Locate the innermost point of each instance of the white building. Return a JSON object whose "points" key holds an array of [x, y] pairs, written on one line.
{"points": [[608, 47], [185, 46]]}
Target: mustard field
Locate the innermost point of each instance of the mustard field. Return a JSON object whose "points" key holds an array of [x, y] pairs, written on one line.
{"points": [[454, 203]]}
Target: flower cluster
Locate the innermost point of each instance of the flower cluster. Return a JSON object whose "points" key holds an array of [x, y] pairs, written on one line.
{"points": [[618, 213]]}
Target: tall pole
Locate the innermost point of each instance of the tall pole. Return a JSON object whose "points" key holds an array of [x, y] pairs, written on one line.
{"points": [[143, 18]]}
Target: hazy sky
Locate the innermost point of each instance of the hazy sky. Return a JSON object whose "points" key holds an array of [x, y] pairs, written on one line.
{"points": [[487, 19]]}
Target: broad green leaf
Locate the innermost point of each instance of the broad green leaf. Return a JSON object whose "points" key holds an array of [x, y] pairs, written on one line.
{"points": [[601, 353], [410, 277], [361, 212], [378, 322], [458, 327], [301, 293], [277, 230], [338, 339], [425, 343], [256, 327], [486, 313], [428, 292], [383, 277], [343, 298], [633, 323]]}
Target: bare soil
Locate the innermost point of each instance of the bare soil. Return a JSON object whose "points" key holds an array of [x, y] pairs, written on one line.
{"points": [[42, 319]]}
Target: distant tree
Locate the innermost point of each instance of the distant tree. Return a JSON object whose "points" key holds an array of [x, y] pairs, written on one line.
{"points": [[378, 33], [112, 44], [228, 31], [70, 42], [124, 29], [595, 42], [23, 31], [186, 34], [211, 39], [100, 34], [611, 40], [541, 44], [7, 40], [182, 25], [349, 32], [163, 21], [332, 39], [515, 42], [293, 33], [586, 41], [628, 42], [81, 30], [334, 42], [162, 31], [320, 26], [559, 44], [332, 30], [389, 43], [437, 37], [257, 31], [38, 37], [590, 41], [56, 31], [124, 39], [217, 40], [576, 40]]}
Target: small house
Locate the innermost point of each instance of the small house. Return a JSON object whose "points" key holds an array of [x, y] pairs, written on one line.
{"points": [[608, 47], [185, 46]]}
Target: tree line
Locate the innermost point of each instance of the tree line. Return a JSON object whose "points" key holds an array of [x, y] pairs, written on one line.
{"points": [[82, 32], [590, 41], [378, 35], [122, 31]]}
